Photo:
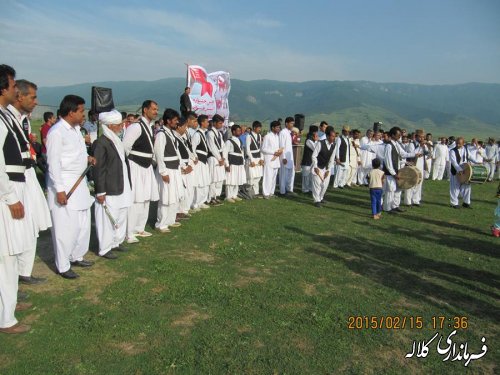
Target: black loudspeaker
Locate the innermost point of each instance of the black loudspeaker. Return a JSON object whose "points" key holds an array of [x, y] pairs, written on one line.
{"points": [[300, 119], [102, 99], [377, 126]]}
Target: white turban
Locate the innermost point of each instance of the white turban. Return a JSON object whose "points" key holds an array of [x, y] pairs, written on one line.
{"points": [[110, 118]]}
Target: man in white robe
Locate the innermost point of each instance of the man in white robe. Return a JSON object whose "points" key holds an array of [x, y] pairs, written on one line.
{"points": [[365, 158], [168, 173], [235, 165], [440, 156], [287, 168], [138, 145], [26, 101], [216, 160], [309, 146], [113, 188], [458, 156], [67, 160], [323, 159], [272, 152], [202, 170], [188, 164], [491, 158], [342, 158], [393, 155], [413, 196], [17, 227], [355, 160], [254, 161]]}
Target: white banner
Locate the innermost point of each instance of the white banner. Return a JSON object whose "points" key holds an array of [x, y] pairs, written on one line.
{"points": [[209, 92]]}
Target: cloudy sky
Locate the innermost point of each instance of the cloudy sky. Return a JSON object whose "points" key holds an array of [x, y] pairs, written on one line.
{"points": [[54, 42]]}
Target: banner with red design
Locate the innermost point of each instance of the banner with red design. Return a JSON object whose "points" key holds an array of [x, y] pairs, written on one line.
{"points": [[209, 91]]}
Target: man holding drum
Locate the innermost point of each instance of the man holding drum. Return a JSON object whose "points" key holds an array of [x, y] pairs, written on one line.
{"points": [[458, 156]]}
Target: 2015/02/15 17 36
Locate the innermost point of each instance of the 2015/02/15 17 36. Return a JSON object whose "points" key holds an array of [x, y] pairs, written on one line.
{"points": [[406, 322]]}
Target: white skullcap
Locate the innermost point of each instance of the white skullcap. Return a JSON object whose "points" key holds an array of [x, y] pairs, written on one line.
{"points": [[231, 123], [110, 118]]}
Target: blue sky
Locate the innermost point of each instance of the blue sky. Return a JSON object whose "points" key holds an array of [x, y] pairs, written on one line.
{"points": [[431, 42]]}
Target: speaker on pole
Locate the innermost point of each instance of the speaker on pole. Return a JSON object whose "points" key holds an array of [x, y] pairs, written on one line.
{"points": [[300, 119], [102, 100]]}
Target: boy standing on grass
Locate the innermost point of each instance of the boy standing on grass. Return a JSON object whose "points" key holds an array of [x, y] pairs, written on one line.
{"points": [[376, 177], [234, 160]]}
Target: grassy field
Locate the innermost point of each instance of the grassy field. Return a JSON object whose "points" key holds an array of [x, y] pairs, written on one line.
{"points": [[267, 287]]}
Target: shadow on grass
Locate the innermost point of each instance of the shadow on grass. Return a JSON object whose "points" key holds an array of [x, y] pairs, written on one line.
{"points": [[407, 272]]}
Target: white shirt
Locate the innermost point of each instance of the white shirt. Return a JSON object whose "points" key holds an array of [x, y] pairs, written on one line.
{"points": [[338, 142], [441, 153], [270, 145], [285, 139], [453, 159], [491, 153], [159, 150], [388, 155], [67, 159]]}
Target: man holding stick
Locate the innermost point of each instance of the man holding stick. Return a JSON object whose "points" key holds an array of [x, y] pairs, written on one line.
{"points": [[323, 160], [68, 195]]}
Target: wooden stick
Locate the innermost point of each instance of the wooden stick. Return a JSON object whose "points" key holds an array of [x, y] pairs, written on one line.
{"points": [[82, 176]]}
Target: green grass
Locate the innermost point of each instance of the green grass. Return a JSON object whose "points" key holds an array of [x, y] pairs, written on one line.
{"points": [[267, 287]]}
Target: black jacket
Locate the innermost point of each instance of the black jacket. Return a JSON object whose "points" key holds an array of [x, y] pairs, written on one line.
{"points": [[185, 103], [108, 171]]}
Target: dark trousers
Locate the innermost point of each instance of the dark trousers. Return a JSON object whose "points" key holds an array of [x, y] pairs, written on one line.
{"points": [[376, 198]]}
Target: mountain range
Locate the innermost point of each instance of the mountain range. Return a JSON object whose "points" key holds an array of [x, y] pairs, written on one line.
{"points": [[467, 109]]}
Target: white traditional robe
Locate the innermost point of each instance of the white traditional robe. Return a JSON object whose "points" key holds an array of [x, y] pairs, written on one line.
{"points": [[236, 175], [306, 169], [254, 174], [171, 193], [144, 185], [342, 170], [108, 235], [319, 182], [16, 235], [287, 171], [202, 172], [67, 159], [270, 145], [441, 156], [457, 189], [491, 158]]}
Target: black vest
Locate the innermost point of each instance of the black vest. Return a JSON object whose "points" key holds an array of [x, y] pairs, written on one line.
{"points": [[12, 156], [143, 145], [235, 157], [459, 160], [171, 159], [307, 156], [394, 159], [255, 146], [202, 148], [183, 148], [324, 154], [20, 135], [218, 142], [343, 150]]}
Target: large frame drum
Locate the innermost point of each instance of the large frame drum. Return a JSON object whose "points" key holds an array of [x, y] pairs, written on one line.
{"points": [[473, 174], [409, 177]]}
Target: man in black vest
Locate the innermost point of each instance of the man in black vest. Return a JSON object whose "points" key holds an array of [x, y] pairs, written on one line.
{"points": [[322, 161], [255, 160], [24, 104], [188, 163], [234, 162], [16, 221], [393, 160], [185, 102], [202, 171], [138, 144], [168, 172], [458, 156], [113, 189], [216, 160], [343, 158], [309, 146]]}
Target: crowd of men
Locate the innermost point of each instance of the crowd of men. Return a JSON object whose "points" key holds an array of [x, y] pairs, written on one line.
{"points": [[183, 162]]}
